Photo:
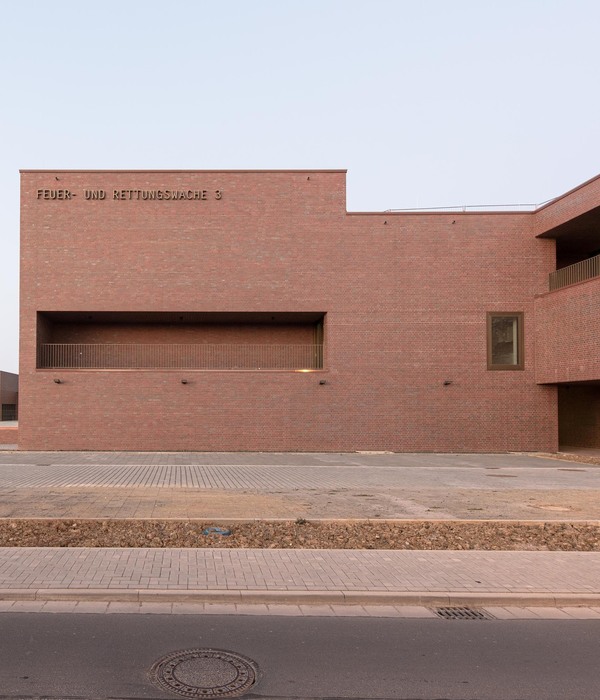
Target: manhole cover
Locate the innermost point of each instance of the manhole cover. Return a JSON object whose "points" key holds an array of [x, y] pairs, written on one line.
{"points": [[205, 673], [462, 614]]}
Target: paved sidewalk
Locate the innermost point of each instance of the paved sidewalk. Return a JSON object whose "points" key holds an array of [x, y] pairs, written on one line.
{"points": [[275, 485], [360, 577], [292, 485]]}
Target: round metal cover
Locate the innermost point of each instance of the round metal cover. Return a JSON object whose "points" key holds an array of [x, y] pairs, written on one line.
{"points": [[205, 673]]}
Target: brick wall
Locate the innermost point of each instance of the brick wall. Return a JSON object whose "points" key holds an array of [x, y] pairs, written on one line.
{"points": [[406, 297], [567, 332], [190, 333], [9, 435]]}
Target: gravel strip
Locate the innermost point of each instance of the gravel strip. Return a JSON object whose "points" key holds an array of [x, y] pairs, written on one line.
{"points": [[302, 534]]}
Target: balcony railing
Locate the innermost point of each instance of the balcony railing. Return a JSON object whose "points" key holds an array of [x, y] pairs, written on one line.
{"points": [[579, 272], [178, 356]]}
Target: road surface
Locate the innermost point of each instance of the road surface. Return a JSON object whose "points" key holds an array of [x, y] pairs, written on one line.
{"points": [[98, 656]]}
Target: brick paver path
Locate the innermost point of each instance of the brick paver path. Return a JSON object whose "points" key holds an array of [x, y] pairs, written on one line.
{"points": [[300, 570]]}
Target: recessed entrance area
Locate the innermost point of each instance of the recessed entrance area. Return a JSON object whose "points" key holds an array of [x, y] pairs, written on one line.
{"points": [[579, 415]]}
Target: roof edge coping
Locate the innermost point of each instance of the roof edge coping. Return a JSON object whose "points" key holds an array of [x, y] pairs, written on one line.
{"points": [[567, 194], [126, 170]]}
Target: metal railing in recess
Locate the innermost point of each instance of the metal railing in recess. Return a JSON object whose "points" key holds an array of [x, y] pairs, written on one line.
{"points": [[178, 356], [579, 272]]}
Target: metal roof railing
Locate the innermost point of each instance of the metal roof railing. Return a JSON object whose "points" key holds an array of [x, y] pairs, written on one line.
{"points": [[578, 272]]}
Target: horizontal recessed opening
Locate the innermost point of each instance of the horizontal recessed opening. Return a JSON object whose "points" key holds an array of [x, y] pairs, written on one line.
{"points": [[180, 340]]}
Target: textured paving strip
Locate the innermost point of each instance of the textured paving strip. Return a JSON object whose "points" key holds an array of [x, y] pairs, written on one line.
{"points": [[281, 572], [62, 472], [253, 485]]}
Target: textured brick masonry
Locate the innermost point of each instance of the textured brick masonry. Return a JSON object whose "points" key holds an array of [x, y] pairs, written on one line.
{"points": [[404, 298]]}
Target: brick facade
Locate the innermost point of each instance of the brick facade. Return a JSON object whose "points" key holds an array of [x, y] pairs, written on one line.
{"points": [[9, 435], [568, 334], [404, 298]]}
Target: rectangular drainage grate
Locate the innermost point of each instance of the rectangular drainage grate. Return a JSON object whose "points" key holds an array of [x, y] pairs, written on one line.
{"points": [[462, 614]]}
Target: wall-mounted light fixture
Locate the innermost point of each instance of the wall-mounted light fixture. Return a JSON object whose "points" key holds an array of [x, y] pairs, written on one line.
{"points": [[184, 381], [322, 382], [447, 382], [58, 381]]}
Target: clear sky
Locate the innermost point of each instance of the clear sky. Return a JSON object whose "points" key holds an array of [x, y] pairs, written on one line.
{"points": [[426, 102]]}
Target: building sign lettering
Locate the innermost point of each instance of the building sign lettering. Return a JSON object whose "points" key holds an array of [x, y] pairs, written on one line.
{"points": [[54, 194], [138, 195]]}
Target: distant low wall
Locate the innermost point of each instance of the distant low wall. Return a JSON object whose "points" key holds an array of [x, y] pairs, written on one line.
{"points": [[9, 435]]}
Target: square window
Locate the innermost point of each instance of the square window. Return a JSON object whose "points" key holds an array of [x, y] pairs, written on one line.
{"points": [[505, 340]]}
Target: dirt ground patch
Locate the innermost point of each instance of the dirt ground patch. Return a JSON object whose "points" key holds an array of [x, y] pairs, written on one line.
{"points": [[302, 534], [151, 503], [417, 502]]}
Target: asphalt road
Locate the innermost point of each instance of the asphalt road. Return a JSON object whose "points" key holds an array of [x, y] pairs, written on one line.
{"points": [[109, 656]]}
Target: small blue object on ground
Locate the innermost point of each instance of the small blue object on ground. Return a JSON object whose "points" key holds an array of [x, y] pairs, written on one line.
{"points": [[216, 531]]}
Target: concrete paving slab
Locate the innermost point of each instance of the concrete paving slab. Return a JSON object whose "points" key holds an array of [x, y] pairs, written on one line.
{"points": [[552, 614], [316, 610], [383, 610], [27, 606], [57, 606], [259, 485], [581, 613], [251, 609], [97, 608], [280, 609], [120, 607], [156, 608]]}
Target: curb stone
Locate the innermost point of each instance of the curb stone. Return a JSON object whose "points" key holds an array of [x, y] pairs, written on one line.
{"points": [[426, 599]]}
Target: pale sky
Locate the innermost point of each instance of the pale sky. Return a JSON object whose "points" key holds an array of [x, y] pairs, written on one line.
{"points": [[426, 103]]}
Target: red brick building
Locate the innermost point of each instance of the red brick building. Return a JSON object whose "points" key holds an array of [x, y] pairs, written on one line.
{"points": [[248, 310]]}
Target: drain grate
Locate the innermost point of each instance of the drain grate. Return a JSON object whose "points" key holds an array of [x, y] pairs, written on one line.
{"points": [[205, 673], [462, 614]]}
